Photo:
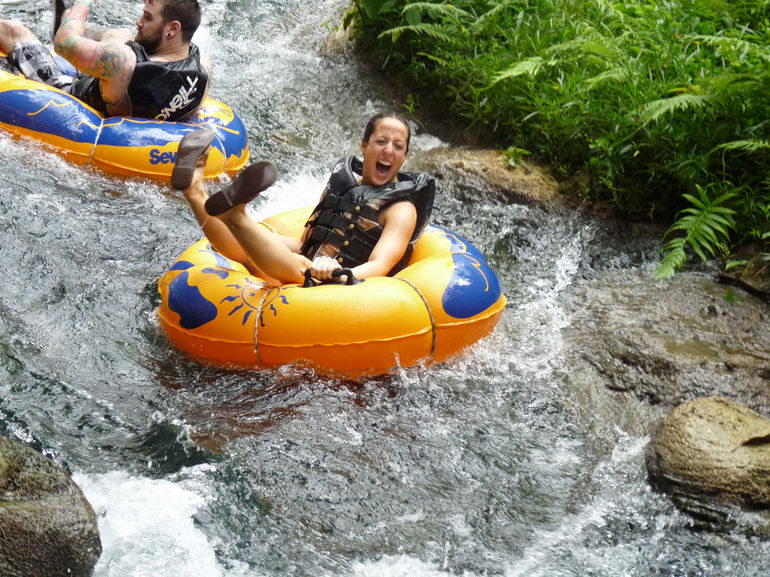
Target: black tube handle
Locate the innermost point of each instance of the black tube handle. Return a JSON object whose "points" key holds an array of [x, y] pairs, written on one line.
{"points": [[351, 278]]}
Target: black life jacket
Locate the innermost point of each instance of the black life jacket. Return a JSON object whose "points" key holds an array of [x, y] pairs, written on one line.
{"points": [[345, 224], [158, 90]]}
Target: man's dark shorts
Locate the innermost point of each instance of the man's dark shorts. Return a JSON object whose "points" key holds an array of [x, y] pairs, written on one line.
{"points": [[36, 62]]}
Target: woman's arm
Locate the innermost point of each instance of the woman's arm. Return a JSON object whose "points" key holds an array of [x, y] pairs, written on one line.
{"points": [[294, 243], [398, 222]]}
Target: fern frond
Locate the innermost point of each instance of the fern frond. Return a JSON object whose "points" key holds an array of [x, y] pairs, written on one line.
{"points": [[706, 226], [749, 145], [529, 66], [436, 31], [657, 108], [737, 46], [700, 203], [438, 60], [613, 75], [674, 259], [590, 45], [720, 225], [446, 11]]}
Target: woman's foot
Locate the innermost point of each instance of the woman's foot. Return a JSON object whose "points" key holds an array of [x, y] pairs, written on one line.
{"points": [[192, 152], [247, 185]]}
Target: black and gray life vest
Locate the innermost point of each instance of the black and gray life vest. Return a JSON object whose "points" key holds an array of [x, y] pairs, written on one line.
{"points": [[158, 90], [346, 223]]}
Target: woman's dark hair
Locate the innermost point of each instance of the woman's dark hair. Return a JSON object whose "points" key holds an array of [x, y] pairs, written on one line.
{"points": [[187, 12], [374, 120]]}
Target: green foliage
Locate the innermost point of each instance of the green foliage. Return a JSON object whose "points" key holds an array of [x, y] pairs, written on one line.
{"points": [[515, 156], [706, 227], [680, 102], [745, 145], [529, 66], [655, 100], [375, 8]]}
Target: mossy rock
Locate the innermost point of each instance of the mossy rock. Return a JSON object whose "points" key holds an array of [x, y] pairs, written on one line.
{"points": [[47, 527]]}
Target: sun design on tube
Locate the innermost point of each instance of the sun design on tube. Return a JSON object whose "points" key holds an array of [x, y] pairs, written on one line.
{"points": [[252, 298]]}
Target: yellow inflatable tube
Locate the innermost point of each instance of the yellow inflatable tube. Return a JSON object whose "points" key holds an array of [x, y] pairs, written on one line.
{"points": [[445, 300]]}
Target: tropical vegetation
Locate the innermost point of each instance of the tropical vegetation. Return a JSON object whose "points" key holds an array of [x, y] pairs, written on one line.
{"points": [[661, 107]]}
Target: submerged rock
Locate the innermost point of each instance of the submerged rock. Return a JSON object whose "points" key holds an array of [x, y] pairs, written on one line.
{"points": [[47, 527], [712, 456], [671, 341]]}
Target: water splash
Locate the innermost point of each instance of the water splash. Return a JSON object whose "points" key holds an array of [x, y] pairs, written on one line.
{"points": [[147, 527]]}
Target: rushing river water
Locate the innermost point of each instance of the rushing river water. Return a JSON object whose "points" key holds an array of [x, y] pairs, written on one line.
{"points": [[474, 467]]}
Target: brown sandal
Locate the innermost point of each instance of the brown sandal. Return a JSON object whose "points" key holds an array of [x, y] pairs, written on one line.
{"points": [[247, 185], [191, 148]]}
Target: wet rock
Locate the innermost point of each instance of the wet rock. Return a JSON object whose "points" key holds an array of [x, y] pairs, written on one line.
{"points": [[641, 352], [712, 456], [488, 170], [47, 527], [672, 341]]}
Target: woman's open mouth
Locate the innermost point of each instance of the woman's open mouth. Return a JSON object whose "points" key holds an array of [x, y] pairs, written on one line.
{"points": [[382, 168]]}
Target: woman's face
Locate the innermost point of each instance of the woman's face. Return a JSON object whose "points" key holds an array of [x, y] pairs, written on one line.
{"points": [[384, 152]]}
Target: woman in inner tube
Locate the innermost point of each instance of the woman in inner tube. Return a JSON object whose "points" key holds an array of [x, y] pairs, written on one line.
{"points": [[368, 219]]}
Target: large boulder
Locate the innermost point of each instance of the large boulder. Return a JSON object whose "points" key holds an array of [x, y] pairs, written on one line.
{"points": [[712, 456], [47, 527]]}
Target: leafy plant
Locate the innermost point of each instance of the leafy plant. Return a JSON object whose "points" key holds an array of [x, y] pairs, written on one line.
{"points": [[653, 101], [515, 156], [706, 227]]}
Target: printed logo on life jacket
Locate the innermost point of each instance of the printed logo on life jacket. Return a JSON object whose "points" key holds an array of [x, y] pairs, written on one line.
{"points": [[181, 99]]}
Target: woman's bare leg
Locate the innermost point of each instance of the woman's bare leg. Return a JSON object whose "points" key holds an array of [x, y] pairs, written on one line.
{"points": [[192, 155], [188, 172], [232, 232], [215, 230], [263, 247], [270, 253]]}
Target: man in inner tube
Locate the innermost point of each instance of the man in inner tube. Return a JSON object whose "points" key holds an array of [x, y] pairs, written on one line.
{"points": [[158, 74]]}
